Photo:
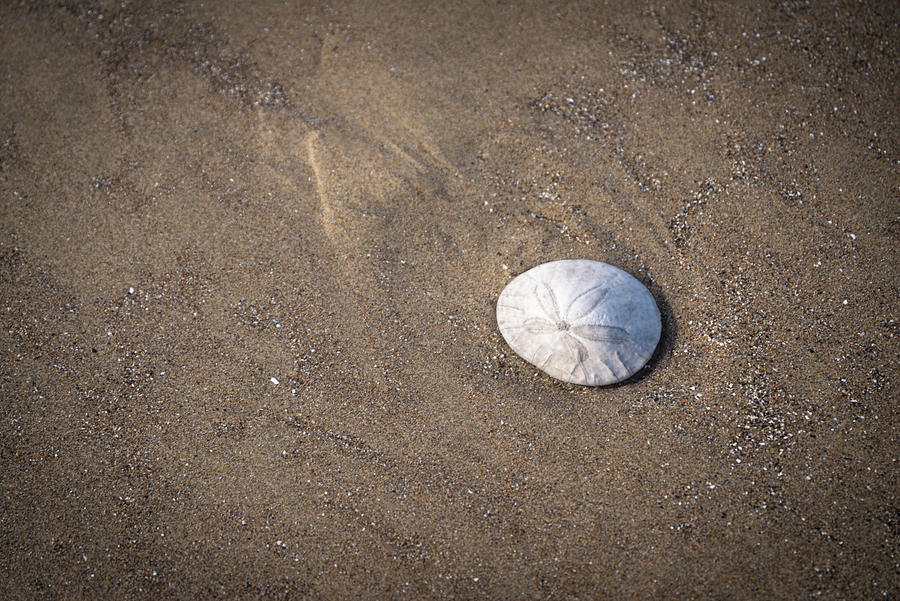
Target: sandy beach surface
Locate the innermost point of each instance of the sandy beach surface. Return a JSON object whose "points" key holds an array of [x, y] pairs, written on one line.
{"points": [[249, 260]]}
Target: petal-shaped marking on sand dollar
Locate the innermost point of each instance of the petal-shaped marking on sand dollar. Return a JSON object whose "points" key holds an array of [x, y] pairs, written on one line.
{"points": [[600, 333], [536, 325], [580, 321], [547, 301], [586, 302], [579, 354]]}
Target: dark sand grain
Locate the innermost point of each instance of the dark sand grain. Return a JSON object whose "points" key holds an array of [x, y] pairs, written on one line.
{"points": [[200, 199]]}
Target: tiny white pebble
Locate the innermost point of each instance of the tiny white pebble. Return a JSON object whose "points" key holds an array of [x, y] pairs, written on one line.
{"points": [[274, 380], [131, 291]]}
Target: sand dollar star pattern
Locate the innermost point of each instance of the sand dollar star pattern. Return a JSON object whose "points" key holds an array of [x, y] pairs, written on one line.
{"points": [[580, 321]]}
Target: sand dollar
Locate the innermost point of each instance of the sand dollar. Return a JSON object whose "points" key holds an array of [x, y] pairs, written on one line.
{"points": [[580, 321]]}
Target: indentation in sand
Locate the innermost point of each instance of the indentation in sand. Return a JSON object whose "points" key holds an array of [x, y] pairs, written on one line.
{"points": [[325, 207]]}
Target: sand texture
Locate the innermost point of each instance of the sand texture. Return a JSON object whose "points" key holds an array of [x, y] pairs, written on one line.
{"points": [[249, 260]]}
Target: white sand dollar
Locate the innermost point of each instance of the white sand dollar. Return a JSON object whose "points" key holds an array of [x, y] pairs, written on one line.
{"points": [[580, 321]]}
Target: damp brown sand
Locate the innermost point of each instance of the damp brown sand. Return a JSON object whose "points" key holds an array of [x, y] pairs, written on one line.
{"points": [[199, 200]]}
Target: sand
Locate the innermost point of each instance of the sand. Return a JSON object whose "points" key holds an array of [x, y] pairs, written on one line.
{"points": [[250, 258]]}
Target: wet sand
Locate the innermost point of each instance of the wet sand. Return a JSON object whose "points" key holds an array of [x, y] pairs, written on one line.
{"points": [[250, 259]]}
